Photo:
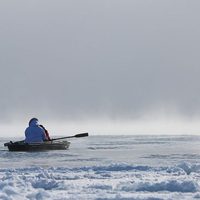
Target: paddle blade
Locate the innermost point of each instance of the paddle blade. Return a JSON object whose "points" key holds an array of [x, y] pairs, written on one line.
{"points": [[81, 135]]}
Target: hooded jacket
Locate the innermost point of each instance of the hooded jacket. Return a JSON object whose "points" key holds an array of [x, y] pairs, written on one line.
{"points": [[34, 133]]}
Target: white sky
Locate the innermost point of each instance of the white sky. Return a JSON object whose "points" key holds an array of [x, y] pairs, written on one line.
{"points": [[105, 66]]}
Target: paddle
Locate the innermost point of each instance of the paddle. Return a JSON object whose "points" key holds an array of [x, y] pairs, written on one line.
{"points": [[77, 136]]}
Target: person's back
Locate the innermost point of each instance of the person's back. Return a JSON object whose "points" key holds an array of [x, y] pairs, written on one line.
{"points": [[34, 133]]}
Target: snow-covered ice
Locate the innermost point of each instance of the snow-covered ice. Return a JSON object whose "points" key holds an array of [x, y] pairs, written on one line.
{"points": [[105, 167]]}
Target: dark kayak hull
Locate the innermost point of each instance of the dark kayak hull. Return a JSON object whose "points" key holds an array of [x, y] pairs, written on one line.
{"points": [[47, 146]]}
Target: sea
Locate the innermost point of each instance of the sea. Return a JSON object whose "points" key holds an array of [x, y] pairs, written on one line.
{"points": [[117, 167]]}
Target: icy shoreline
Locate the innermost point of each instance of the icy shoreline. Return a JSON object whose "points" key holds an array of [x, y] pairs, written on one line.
{"points": [[105, 168], [115, 181]]}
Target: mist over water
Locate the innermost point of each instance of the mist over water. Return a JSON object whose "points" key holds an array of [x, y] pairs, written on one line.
{"points": [[144, 126]]}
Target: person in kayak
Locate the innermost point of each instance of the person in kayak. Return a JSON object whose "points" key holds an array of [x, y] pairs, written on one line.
{"points": [[36, 133]]}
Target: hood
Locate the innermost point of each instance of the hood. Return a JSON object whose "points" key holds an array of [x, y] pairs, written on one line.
{"points": [[33, 122]]}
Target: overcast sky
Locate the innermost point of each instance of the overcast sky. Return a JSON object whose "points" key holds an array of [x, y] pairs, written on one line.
{"points": [[92, 60]]}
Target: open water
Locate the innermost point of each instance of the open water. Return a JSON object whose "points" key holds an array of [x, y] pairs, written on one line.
{"points": [[105, 168]]}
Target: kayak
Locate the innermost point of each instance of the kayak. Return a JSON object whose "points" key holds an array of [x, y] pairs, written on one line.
{"points": [[46, 146]]}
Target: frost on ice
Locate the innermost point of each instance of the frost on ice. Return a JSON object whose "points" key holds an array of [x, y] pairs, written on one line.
{"points": [[115, 181]]}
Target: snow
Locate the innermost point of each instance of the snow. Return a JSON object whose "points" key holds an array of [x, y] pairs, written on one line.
{"points": [[91, 183], [85, 173]]}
